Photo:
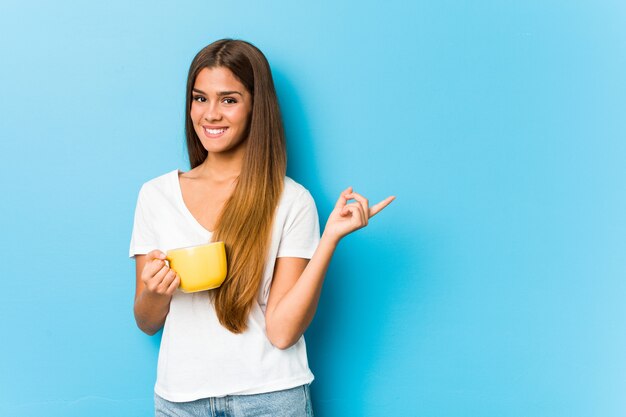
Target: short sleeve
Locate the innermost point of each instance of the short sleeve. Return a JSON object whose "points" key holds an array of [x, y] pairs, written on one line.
{"points": [[143, 239], [301, 232]]}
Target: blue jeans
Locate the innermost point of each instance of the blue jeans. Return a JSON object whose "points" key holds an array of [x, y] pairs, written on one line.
{"points": [[294, 402]]}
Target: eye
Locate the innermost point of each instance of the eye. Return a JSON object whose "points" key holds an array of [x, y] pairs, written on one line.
{"points": [[229, 100], [199, 99]]}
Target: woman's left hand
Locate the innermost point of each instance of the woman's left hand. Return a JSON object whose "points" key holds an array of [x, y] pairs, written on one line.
{"points": [[348, 217]]}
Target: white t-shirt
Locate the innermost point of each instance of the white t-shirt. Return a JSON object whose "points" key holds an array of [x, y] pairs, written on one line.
{"points": [[198, 357]]}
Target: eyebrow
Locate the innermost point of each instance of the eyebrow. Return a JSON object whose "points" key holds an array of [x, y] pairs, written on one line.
{"points": [[221, 93]]}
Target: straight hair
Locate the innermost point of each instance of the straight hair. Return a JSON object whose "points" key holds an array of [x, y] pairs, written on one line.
{"points": [[245, 223]]}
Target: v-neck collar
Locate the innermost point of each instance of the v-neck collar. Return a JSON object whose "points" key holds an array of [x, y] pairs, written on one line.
{"points": [[183, 206]]}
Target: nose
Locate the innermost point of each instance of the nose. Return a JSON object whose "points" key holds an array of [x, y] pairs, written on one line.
{"points": [[212, 112]]}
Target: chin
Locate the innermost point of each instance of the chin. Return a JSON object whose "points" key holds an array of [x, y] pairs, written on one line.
{"points": [[219, 149]]}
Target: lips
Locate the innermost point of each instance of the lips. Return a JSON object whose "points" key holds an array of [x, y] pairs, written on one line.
{"points": [[214, 132]]}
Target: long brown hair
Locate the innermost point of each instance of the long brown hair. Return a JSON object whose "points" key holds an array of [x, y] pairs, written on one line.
{"points": [[245, 223]]}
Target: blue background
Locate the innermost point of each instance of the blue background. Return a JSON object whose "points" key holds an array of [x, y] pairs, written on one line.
{"points": [[494, 284]]}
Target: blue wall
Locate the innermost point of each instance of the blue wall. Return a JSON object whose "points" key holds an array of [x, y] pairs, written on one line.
{"points": [[493, 286]]}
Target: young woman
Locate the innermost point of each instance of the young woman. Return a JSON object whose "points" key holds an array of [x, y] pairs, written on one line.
{"points": [[237, 350]]}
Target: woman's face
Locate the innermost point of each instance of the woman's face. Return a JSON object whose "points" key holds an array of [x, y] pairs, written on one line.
{"points": [[220, 110]]}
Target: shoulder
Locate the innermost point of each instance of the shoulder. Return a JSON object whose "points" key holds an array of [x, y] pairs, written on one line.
{"points": [[295, 199], [297, 216], [294, 191], [161, 185]]}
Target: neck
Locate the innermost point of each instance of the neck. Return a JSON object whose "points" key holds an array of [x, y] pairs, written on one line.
{"points": [[223, 166]]}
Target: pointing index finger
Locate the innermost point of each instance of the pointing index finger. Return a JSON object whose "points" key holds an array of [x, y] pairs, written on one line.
{"points": [[375, 209]]}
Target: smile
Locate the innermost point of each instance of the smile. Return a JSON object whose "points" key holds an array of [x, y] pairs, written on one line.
{"points": [[214, 132]]}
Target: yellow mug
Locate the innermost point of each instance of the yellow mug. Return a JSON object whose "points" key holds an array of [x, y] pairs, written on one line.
{"points": [[201, 267]]}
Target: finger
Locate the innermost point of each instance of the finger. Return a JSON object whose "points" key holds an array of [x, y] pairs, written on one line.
{"points": [[158, 277], [348, 209], [375, 209], [155, 284], [153, 267], [358, 217], [356, 211], [173, 285], [167, 280], [362, 201], [155, 254], [342, 201]]}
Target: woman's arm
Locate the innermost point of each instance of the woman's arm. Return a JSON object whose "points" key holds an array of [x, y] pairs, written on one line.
{"points": [[297, 282], [155, 284], [295, 292]]}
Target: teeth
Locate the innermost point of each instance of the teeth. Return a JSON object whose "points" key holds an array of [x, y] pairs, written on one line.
{"points": [[215, 131]]}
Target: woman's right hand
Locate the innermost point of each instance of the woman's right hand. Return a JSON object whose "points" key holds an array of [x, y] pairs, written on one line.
{"points": [[348, 217], [157, 277]]}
